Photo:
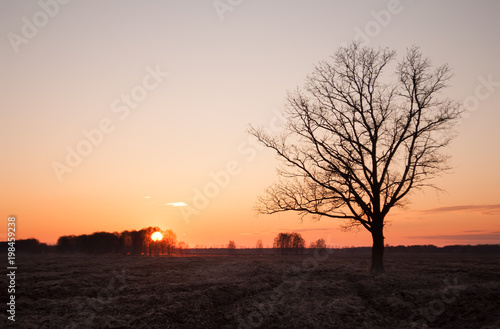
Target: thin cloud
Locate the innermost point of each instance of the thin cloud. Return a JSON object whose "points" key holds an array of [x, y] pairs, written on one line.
{"points": [[177, 204], [486, 209]]}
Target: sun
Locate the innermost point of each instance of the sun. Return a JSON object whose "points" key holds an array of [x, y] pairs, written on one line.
{"points": [[156, 236]]}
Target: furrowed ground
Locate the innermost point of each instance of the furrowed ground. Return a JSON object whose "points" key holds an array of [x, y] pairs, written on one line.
{"points": [[322, 291]]}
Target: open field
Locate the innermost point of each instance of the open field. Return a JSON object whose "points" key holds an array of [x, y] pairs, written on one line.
{"points": [[321, 291]]}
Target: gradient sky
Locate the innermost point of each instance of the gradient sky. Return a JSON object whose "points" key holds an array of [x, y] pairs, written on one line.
{"points": [[222, 67]]}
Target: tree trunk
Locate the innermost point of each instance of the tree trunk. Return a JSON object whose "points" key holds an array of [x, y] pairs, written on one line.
{"points": [[378, 251]]}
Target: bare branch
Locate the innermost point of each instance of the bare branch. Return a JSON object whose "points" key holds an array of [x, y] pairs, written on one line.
{"points": [[355, 145]]}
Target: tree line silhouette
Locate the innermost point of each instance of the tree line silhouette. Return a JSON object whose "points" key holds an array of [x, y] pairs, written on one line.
{"points": [[289, 243], [127, 242], [139, 243]]}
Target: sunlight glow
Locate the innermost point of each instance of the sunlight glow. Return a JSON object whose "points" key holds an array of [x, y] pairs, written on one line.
{"points": [[156, 236]]}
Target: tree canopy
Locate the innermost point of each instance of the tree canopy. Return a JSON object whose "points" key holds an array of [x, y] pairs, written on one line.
{"points": [[357, 143]]}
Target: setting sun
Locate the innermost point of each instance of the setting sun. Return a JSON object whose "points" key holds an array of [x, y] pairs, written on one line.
{"points": [[156, 236]]}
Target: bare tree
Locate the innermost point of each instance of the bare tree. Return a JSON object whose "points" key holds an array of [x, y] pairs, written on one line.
{"points": [[168, 241], [148, 245], [355, 145], [318, 244], [231, 246], [182, 246], [288, 242], [259, 246]]}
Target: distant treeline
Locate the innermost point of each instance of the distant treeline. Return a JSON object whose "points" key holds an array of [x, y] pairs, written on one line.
{"points": [[140, 243], [126, 242], [32, 246], [453, 249]]}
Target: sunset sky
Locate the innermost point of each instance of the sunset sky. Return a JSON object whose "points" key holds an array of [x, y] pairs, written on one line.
{"points": [[118, 115]]}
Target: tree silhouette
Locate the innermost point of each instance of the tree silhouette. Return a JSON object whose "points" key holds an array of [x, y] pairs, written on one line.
{"points": [[182, 246], [137, 242], [355, 145], [168, 242], [127, 242], [318, 244], [65, 244], [148, 245], [289, 242], [259, 246], [126, 238], [231, 246]]}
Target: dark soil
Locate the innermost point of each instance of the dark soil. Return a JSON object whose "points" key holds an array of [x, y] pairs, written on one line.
{"points": [[322, 291]]}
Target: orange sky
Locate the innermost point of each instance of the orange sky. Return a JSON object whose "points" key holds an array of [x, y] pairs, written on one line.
{"points": [[157, 97]]}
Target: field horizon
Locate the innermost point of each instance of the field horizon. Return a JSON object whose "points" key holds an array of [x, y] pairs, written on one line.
{"points": [[32, 245]]}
